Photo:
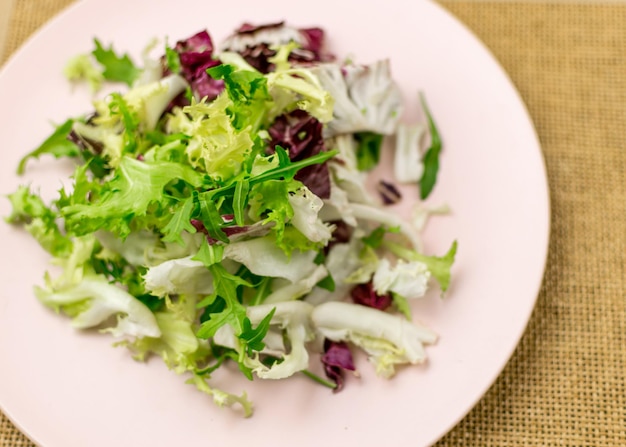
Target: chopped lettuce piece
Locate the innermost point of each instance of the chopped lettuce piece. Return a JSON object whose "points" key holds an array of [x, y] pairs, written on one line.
{"points": [[408, 279], [94, 300], [408, 166], [366, 98], [389, 340]]}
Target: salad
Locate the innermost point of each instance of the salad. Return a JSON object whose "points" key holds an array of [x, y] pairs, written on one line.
{"points": [[220, 210]]}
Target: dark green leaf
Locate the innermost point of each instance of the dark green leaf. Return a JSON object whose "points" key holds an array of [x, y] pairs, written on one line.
{"points": [[240, 201], [212, 304], [261, 290], [253, 337], [368, 150], [327, 283], [180, 221], [320, 258], [431, 157], [278, 173], [225, 285], [283, 156], [212, 219]]}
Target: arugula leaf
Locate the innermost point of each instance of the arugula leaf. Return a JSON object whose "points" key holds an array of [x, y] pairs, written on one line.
{"points": [[431, 157], [286, 172], [225, 285], [289, 171], [368, 150], [240, 200], [56, 145], [253, 338], [116, 68], [211, 218], [180, 221]]}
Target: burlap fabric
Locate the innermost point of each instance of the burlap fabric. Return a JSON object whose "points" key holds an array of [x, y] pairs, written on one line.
{"points": [[564, 386]]}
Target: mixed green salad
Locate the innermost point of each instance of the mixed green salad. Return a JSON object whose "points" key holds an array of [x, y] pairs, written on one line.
{"points": [[220, 210]]}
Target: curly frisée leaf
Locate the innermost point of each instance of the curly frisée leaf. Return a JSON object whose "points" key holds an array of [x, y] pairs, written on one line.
{"points": [[127, 195]]}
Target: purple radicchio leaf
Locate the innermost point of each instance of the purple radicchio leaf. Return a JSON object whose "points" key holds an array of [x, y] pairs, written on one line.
{"points": [[337, 358], [300, 135], [196, 56], [254, 43], [388, 192], [365, 295], [233, 232], [341, 234]]}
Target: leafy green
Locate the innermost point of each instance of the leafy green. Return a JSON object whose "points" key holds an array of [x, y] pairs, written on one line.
{"points": [[439, 266], [368, 150], [81, 68], [56, 145], [253, 337], [129, 118], [180, 221], [328, 283], [240, 200], [431, 157], [209, 254], [115, 68], [402, 304], [234, 313], [172, 59], [127, 195], [39, 220]]}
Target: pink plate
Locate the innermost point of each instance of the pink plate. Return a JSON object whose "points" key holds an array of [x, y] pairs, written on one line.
{"points": [[72, 389]]}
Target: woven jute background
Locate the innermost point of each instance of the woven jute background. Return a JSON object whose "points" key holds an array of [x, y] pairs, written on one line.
{"points": [[565, 385]]}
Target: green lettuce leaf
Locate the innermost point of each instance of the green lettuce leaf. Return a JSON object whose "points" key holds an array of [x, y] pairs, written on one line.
{"points": [[56, 145], [115, 68], [134, 187], [39, 220]]}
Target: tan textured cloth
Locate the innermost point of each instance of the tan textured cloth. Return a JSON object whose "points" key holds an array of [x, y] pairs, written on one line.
{"points": [[565, 384]]}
